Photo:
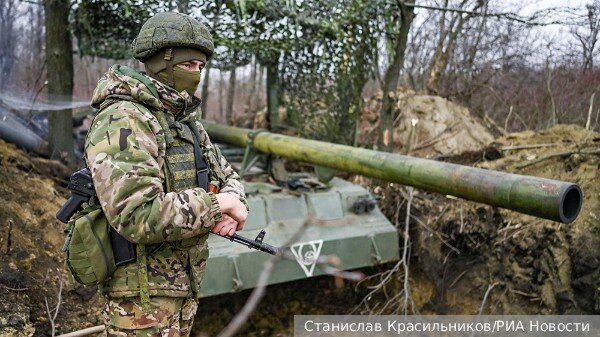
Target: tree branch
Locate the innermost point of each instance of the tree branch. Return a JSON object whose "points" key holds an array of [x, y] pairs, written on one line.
{"points": [[41, 3], [503, 15]]}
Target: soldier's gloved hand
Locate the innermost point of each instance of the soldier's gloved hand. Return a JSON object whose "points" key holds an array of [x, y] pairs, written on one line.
{"points": [[226, 226], [232, 206]]}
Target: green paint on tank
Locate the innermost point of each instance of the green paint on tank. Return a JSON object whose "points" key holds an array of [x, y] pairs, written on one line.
{"points": [[358, 240], [363, 239]]}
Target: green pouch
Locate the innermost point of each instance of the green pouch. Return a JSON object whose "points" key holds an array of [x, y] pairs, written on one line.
{"points": [[89, 254]]}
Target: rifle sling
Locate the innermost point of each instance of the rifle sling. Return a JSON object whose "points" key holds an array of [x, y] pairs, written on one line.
{"points": [[201, 167]]}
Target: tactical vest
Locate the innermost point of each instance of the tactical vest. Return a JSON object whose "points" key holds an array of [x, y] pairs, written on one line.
{"points": [[180, 164]]}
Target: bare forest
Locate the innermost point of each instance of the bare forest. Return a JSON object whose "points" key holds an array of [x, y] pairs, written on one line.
{"points": [[502, 85], [517, 66]]}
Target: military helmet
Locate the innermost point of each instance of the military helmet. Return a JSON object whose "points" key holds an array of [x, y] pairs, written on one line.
{"points": [[170, 29]]}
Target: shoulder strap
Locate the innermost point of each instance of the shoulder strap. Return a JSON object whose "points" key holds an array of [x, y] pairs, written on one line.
{"points": [[201, 167]]}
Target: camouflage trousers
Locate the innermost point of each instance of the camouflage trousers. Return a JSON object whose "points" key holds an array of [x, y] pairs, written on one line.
{"points": [[166, 317]]}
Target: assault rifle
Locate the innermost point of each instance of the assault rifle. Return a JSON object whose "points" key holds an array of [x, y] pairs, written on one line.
{"points": [[254, 244], [82, 189]]}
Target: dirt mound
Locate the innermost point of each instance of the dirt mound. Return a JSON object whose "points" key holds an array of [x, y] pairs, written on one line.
{"points": [[561, 262], [518, 264], [441, 127], [31, 267]]}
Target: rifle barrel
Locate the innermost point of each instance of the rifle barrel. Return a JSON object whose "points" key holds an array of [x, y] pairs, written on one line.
{"points": [[265, 247]]}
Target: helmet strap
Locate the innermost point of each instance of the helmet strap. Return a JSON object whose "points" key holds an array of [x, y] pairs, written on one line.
{"points": [[169, 66]]}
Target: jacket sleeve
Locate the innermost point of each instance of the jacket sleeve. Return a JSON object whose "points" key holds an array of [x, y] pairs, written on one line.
{"points": [[125, 150], [230, 180]]}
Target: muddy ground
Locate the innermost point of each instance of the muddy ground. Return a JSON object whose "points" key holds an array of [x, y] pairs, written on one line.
{"points": [[459, 250]]}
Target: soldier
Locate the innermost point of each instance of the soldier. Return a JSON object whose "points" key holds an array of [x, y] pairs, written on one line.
{"points": [[141, 154]]}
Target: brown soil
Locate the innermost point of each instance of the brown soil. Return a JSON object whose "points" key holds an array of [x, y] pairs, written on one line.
{"points": [[30, 245], [556, 265], [441, 127]]}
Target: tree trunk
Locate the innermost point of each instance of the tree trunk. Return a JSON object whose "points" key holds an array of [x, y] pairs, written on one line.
{"points": [[273, 87], [8, 36], [468, 87], [443, 58], [445, 49], [221, 96], [206, 84], [252, 91], [205, 88], [261, 74], [59, 60], [230, 95], [390, 83]]}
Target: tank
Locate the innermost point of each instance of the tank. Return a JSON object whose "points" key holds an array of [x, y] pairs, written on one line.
{"points": [[359, 236], [351, 226]]}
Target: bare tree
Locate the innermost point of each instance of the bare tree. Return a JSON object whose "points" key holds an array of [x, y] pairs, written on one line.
{"points": [[251, 99], [230, 94], [391, 78], [59, 61], [450, 27], [549, 78], [588, 37], [260, 86], [206, 84], [273, 92], [8, 39], [221, 96], [205, 87]]}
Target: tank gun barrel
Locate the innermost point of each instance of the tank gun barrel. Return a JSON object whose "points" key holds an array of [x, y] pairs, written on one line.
{"points": [[545, 198]]}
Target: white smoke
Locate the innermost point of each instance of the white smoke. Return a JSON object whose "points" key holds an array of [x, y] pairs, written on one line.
{"points": [[25, 104]]}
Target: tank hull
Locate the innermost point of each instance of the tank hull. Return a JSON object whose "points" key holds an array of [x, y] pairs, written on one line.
{"points": [[357, 240]]}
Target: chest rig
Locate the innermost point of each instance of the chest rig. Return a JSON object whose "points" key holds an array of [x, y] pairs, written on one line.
{"points": [[185, 165]]}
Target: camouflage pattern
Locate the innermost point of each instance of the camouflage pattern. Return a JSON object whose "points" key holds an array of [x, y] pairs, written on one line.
{"points": [[170, 29], [166, 316], [126, 151]]}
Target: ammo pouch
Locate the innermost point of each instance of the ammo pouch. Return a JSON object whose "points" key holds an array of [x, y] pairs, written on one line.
{"points": [[89, 253], [93, 249]]}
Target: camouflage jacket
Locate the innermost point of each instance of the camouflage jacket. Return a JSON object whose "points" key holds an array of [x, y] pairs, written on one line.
{"points": [[125, 150]]}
